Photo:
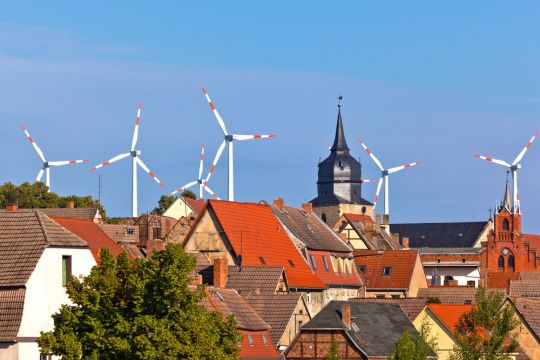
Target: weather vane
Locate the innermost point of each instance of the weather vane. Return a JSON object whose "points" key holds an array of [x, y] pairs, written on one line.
{"points": [[339, 100]]}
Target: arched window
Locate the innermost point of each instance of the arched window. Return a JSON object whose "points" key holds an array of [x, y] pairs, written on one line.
{"points": [[323, 217], [511, 262], [506, 225], [501, 262]]}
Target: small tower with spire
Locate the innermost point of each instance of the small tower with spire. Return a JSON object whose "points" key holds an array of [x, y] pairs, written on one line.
{"points": [[339, 185]]}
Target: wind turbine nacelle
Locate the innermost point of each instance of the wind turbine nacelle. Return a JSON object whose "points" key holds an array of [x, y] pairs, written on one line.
{"points": [[135, 153]]}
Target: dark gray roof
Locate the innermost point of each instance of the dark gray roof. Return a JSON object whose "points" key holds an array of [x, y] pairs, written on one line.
{"points": [[440, 235], [467, 250], [378, 325], [331, 199]]}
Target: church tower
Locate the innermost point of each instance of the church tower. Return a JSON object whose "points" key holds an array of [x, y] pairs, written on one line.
{"points": [[339, 184]]}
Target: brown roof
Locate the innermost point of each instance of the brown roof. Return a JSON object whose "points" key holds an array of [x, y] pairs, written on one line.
{"points": [[24, 234], [276, 310], [309, 229], [501, 280], [195, 205], [248, 280], [77, 213], [373, 235], [529, 276], [411, 306], [132, 250], [11, 310], [449, 294], [530, 310], [119, 232], [524, 288], [229, 302], [400, 262]]}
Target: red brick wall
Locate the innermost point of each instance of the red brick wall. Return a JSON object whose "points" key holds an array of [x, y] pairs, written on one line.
{"points": [[315, 345]]}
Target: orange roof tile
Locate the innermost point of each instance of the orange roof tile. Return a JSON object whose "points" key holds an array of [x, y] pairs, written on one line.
{"points": [[90, 232], [257, 348], [449, 313], [254, 232], [328, 274], [357, 217], [401, 263], [501, 280]]}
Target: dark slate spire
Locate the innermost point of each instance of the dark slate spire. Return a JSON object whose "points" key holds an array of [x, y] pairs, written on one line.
{"points": [[340, 144]]}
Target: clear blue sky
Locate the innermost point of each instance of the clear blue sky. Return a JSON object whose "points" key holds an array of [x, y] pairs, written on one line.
{"points": [[421, 80]]}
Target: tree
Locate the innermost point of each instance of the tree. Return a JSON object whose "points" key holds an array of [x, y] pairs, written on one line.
{"points": [[485, 332], [333, 353], [189, 194], [415, 347], [139, 309], [165, 201]]}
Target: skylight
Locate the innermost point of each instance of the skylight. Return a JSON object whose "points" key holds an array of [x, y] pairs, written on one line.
{"points": [[291, 263], [313, 262], [387, 270], [263, 261]]}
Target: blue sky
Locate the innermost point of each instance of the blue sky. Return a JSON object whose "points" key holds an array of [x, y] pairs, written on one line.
{"points": [[421, 80]]}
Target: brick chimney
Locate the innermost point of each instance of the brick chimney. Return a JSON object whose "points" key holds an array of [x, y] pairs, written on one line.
{"points": [[346, 315], [279, 203], [12, 207], [308, 208], [378, 219], [221, 268], [386, 219], [71, 205], [405, 242]]}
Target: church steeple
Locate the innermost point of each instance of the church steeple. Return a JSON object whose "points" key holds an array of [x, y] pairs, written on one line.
{"points": [[340, 143], [507, 201]]}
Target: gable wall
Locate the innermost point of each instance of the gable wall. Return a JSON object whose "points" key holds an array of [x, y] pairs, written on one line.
{"points": [[300, 317], [316, 344], [445, 340], [418, 278]]}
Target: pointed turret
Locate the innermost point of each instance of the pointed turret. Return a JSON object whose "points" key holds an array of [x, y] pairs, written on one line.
{"points": [[340, 143], [507, 201]]}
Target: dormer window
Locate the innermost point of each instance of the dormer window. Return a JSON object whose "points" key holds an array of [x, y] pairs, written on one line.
{"points": [[130, 231], [325, 262], [250, 340], [313, 262], [387, 270]]}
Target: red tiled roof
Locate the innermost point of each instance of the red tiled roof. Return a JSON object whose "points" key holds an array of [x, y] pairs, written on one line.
{"points": [[401, 263], [357, 217], [534, 239], [90, 232], [196, 205], [254, 232], [331, 276], [449, 314], [501, 280], [259, 350]]}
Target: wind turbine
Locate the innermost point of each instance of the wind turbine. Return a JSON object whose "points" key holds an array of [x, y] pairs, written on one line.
{"points": [[384, 177], [514, 167], [136, 160], [202, 183], [229, 138], [47, 164]]}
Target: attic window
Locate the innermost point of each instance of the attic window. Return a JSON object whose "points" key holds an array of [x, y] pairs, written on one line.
{"points": [[265, 340], [262, 260], [130, 231], [362, 268], [323, 217], [386, 271], [291, 263], [250, 340], [325, 262], [313, 262]]}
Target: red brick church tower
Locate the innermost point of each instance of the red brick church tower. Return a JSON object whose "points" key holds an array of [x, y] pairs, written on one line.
{"points": [[508, 251]]}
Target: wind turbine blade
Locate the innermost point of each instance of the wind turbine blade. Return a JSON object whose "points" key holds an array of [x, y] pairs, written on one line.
{"points": [[367, 181], [377, 193], [398, 168], [116, 158], [145, 168], [188, 185], [216, 159], [202, 161], [216, 114], [500, 162], [371, 155], [40, 174], [67, 162], [520, 156], [36, 147], [250, 137], [136, 132], [211, 193]]}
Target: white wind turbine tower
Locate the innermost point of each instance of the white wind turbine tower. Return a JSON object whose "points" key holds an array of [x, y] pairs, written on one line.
{"points": [[202, 183], [47, 164], [136, 160], [514, 167], [229, 138], [384, 177]]}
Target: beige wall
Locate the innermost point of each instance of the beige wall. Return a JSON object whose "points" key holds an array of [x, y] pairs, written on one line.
{"points": [[418, 279], [9, 351], [300, 317], [351, 234], [387, 294], [178, 209], [445, 339], [527, 341]]}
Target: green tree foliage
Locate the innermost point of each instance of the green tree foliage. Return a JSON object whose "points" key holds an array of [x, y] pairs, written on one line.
{"points": [[189, 194], [485, 333], [415, 347], [139, 309], [165, 201], [37, 195], [333, 353]]}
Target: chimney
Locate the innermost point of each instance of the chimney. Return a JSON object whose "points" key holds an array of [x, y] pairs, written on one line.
{"points": [[221, 267], [12, 207], [377, 218], [346, 315], [405, 242], [308, 208], [71, 205], [386, 219], [279, 203]]}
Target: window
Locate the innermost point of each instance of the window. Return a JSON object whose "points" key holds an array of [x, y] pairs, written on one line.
{"points": [[291, 263], [130, 231], [66, 269], [379, 296], [156, 232], [506, 225], [323, 217], [264, 340], [313, 262], [395, 296], [308, 297], [501, 262], [325, 263], [362, 268], [250, 340], [511, 262], [386, 271], [262, 260]]}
